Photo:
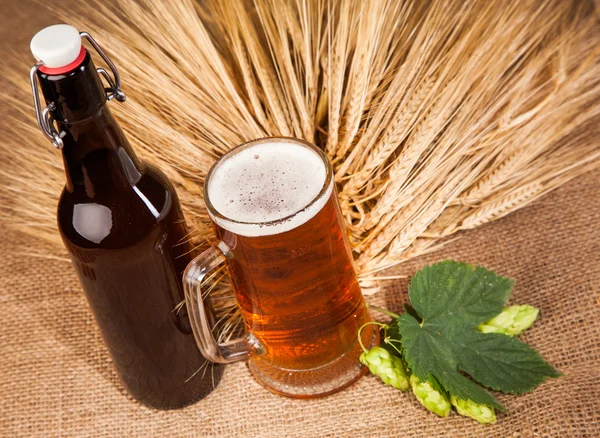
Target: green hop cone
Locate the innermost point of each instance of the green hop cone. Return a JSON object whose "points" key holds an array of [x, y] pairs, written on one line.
{"points": [[482, 413], [511, 321], [431, 398], [388, 367]]}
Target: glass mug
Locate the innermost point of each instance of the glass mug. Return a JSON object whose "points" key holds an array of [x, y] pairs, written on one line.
{"points": [[282, 237]]}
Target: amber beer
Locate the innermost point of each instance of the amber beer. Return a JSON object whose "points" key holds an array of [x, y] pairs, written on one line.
{"points": [[297, 290], [276, 214]]}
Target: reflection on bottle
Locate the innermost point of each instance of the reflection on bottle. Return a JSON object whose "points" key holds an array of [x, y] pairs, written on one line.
{"points": [[146, 201], [131, 172], [92, 221]]}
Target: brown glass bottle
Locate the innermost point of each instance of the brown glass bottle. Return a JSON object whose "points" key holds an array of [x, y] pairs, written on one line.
{"points": [[122, 224]]}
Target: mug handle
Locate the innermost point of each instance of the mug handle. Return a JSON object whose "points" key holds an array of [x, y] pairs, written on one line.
{"points": [[226, 352]]}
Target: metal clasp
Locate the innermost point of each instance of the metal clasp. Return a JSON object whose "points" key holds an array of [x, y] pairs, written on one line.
{"points": [[114, 91], [44, 118]]}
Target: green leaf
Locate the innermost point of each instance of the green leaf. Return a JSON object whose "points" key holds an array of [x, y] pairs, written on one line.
{"points": [[412, 312], [451, 300], [429, 354], [457, 291], [501, 362]]}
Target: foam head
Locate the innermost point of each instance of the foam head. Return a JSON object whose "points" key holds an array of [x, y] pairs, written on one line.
{"points": [[266, 182]]}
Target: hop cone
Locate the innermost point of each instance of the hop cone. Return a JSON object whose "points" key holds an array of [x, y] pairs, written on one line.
{"points": [[429, 397], [482, 413], [512, 321], [388, 367]]}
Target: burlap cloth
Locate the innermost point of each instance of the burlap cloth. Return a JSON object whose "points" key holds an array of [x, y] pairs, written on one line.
{"points": [[56, 378]]}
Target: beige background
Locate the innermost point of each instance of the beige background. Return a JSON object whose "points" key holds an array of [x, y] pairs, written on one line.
{"points": [[56, 378]]}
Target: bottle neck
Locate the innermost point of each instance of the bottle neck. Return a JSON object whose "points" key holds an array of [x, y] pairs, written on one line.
{"points": [[96, 153]]}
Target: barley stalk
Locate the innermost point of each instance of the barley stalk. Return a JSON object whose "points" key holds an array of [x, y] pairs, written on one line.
{"points": [[392, 138], [438, 116], [502, 206]]}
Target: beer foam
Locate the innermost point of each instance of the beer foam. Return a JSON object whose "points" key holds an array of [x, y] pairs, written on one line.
{"points": [[267, 182]]}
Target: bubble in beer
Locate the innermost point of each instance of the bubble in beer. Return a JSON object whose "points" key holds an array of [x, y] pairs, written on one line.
{"points": [[272, 181]]}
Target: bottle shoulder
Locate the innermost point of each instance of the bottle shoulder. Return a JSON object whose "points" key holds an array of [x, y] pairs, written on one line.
{"points": [[113, 219]]}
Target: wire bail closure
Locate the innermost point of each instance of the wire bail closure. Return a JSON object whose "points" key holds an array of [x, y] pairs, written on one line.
{"points": [[44, 118]]}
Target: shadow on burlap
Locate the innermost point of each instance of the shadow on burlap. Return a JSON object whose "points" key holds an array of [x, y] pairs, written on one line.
{"points": [[56, 378]]}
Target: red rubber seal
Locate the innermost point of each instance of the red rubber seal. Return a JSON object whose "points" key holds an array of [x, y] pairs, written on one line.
{"points": [[65, 68]]}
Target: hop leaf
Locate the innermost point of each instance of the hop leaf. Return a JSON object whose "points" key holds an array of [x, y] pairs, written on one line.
{"points": [[452, 299], [482, 413], [433, 399], [512, 321], [386, 366]]}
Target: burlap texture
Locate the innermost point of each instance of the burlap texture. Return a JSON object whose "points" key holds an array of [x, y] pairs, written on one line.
{"points": [[56, 378]]}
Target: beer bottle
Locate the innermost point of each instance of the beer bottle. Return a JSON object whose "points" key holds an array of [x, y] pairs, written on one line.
{"points": [[122, 224]]}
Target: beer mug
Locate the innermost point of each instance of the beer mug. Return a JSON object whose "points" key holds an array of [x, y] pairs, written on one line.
{"points": [[281, 235]]}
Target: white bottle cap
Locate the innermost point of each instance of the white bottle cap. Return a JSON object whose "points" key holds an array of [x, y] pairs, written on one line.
{"points": [[56, 46]]}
